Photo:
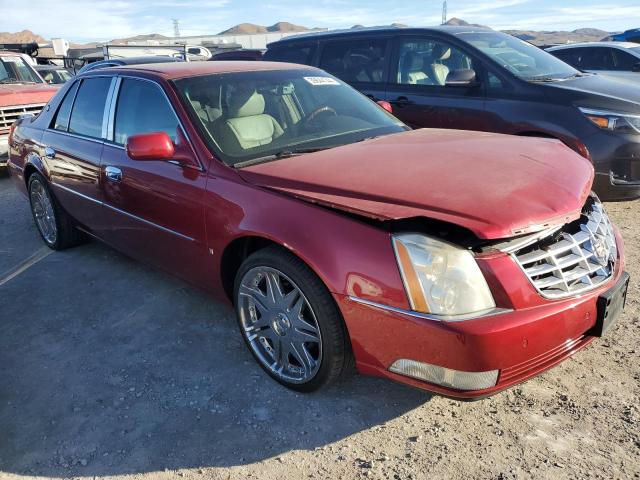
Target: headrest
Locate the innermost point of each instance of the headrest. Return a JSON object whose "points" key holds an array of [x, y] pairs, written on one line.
{"points": [[413, 61], [440, 52], [246, 104]]}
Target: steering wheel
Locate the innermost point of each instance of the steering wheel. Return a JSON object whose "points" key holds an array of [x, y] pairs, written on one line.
{"points": [[319, 111]]}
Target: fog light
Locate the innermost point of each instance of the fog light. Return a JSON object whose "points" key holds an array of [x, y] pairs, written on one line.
{"points": [[444, 376]]}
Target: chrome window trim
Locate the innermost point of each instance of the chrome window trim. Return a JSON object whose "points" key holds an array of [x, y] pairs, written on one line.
{"points": [[135, 217], [428, 316], [75, 135], [110, 106]]}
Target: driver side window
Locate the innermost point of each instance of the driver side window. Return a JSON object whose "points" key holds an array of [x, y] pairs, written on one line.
{"points": [[428, 62]]}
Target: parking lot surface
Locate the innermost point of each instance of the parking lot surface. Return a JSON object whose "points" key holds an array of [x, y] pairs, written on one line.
{"points": [[110, 368]]}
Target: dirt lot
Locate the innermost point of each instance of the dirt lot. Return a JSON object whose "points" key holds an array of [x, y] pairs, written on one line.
{"points": [[108, 368]]}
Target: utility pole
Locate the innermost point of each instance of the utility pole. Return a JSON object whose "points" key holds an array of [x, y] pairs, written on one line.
{"points": [[176, 27], [444, 12]]}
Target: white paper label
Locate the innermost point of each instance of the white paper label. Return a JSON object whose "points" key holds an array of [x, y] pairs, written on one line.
{"points": [[318, 81]]}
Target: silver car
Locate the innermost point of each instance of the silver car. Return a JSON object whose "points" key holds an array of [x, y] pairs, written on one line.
{"points": [[616, 59]]}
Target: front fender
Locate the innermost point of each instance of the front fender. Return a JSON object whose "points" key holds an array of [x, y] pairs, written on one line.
{"points": [[349, 255]]}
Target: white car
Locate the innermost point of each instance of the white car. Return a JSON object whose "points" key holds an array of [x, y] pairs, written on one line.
{"points": [[616, 59]]}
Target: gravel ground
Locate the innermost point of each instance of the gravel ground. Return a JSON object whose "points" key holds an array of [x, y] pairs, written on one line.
{"points": [[109, 368]]}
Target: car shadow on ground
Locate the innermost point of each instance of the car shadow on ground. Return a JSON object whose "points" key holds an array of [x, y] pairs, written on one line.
{"points": [[108, 367]]}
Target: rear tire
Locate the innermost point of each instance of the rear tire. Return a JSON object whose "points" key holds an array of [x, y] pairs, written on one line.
{"points": [[290, 322], [55, 226]]}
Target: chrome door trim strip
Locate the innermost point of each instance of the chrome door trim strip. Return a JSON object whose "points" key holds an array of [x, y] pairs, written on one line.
{"points": [[429, 316], [130, 215], [159, 227], [82, 195]]}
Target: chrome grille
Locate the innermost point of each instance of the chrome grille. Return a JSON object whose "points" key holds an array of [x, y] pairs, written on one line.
{"points": [[8, 115], [576, 258]]}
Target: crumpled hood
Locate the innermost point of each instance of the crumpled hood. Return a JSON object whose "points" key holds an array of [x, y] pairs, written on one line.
{"points": [[497, 186], [26, 94]]}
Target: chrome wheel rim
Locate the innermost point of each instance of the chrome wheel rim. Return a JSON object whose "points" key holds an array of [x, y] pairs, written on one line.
{"points": [[279, 324], [43, 212]]}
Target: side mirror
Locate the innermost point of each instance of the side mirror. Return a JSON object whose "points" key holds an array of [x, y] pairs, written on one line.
{"points": [[464, 77], [636, 67], [150, 146], [386, 105]]}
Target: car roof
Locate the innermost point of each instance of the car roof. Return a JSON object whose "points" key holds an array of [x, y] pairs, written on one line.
{"points": [[192, 69], [623, 45], [448, 29]]}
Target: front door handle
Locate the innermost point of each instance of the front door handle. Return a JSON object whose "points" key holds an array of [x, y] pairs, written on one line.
{"points": [[49, 152], [113, 173]]}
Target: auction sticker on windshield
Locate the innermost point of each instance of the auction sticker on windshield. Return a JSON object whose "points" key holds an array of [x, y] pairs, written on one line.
{"points": [[317, 81]]}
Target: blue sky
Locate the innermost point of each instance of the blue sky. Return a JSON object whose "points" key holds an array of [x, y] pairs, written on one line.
{"points": [[80, 20]]}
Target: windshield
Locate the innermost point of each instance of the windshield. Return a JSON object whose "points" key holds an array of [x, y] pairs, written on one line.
{"points": [[13, 69], [251, 116], [519, 57]]}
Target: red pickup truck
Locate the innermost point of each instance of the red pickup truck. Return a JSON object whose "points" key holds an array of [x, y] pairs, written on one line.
{"points": [[22, 91]]}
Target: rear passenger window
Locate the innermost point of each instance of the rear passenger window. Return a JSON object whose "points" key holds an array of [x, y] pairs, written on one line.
{"points": [[356, 61], [61, 121], [88, 109], [143, 108], [302, 54]]}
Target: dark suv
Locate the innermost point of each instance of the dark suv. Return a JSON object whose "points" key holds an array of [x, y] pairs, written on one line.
{"points": [[478, 79]]}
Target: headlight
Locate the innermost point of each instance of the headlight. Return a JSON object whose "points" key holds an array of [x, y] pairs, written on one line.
{"points": [[440, 278], [616, 122]]}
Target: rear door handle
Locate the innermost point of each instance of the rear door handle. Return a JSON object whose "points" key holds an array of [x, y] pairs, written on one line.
{"points": [[113, 173], [49, 152], [402, 101]]}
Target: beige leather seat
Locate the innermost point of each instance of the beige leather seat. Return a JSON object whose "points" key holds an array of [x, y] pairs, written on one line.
{"points": [[413, 69], [437, 70], [246, 125]]}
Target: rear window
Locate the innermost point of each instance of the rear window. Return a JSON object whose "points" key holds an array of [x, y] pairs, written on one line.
{"points": [[88, 109], [61, 121], [302, 54], [356, 61]]}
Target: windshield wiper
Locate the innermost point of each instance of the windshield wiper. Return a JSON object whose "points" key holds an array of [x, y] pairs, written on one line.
{"points": [[288, 153]]}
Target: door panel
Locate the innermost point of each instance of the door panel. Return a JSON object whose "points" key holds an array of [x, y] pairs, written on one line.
{"points": [[154, 212], [417, 88], [153, 209], [75, 171], [73, 149]]}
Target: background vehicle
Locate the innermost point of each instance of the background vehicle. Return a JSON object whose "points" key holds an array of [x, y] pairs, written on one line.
{"points": [[119, 62], [435, 258], [617, 59], [22, 92], [477, 79], [241, 54], [54, 74], [198, 53], [632, 35]]}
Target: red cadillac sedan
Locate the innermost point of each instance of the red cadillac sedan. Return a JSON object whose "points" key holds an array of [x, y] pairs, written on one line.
{"points": [[458, 262]]}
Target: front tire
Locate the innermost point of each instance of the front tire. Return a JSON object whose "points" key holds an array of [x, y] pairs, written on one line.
{"points": [[55, 226], [290, 322]]}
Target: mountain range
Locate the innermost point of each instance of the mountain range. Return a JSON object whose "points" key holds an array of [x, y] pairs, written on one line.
{"points": [[544, 37]]}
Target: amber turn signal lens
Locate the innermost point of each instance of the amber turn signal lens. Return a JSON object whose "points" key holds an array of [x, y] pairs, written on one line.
{"points": [[602, 122], [412, 283]]}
